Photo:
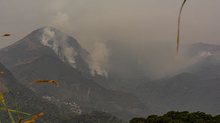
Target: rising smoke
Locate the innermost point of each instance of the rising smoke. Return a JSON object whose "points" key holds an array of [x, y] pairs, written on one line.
{"points": [[94, 23], [140, 23], [99, 59], [58, 43]]}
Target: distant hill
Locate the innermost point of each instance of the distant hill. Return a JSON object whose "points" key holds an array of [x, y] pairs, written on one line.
{"points": [[197, 88], [48, 53]]}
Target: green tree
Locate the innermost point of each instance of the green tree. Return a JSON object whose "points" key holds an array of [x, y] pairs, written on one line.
{"points": [[138, 120]]}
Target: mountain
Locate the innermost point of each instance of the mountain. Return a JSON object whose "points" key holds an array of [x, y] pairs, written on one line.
{"points": [[195, 89], [185, 91], [199, 48], [208, 56], [26, 100], [48, 53], [47, 41]]}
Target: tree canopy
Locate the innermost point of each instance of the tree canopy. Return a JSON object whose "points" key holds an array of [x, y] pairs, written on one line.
{"points": [[179, 117]]}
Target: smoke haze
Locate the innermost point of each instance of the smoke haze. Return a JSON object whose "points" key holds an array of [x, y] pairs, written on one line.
{"points": [[148, 27]]}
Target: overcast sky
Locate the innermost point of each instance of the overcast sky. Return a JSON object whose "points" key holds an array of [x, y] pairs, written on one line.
{"points": [[147, 26], [98, 20]]}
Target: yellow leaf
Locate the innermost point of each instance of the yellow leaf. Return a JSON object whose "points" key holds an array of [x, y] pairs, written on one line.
{"points": [[34, 118], [1, 97], [48, 81], [178, 30]]}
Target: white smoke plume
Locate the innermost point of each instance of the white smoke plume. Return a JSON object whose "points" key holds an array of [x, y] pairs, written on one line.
{"points": [[125, 20], [47, 35], [98, 56], [99, 59], [60, 20], [98, 52], [88, 21], [57, 42], [205, 54]]}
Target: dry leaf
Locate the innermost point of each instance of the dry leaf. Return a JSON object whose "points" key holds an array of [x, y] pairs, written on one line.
{"points": [[178, 30], [34, 118], [6, 35], [48, 81]]}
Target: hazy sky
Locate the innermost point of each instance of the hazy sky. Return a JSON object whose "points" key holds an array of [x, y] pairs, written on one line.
{"points": [[98, 20], [142, 24]]}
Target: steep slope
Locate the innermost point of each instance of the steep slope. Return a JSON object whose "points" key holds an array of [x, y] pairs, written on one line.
{"points": [[27, 100], [47, 41], [31, 59]]}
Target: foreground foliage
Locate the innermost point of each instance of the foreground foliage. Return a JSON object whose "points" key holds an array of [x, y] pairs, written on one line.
{"points": [[179, 117]]}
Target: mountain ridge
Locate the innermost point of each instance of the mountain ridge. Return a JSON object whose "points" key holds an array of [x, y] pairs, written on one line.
{"points": [[196, 88], [29, 62]]}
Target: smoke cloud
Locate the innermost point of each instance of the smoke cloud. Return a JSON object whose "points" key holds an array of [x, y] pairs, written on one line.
{"points": [[60, 20], [147, 27], [99, 59], [47, 35], [58, 43]]}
